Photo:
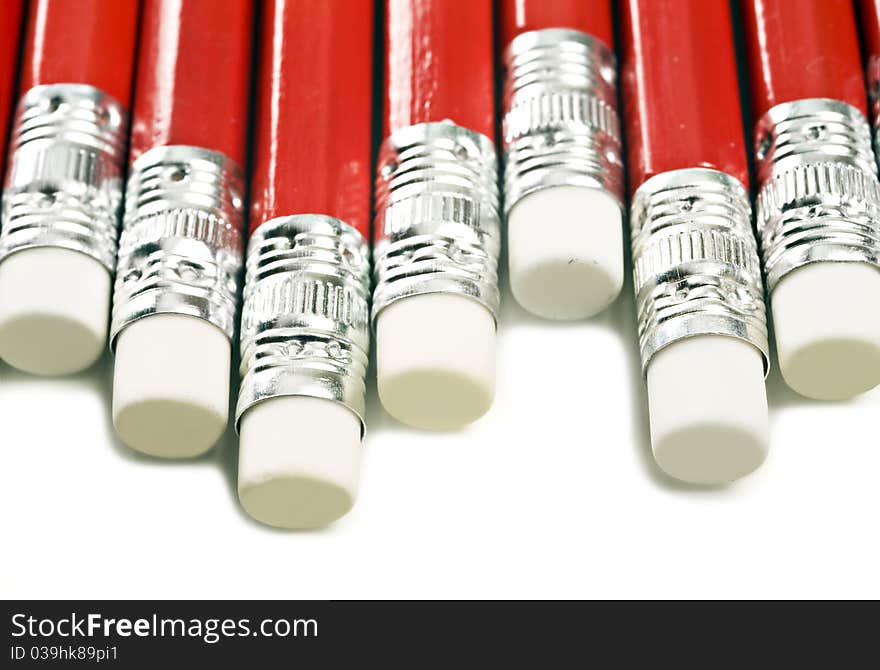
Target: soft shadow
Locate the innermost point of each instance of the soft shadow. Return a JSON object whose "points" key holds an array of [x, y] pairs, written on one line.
{"points": [[98, 378]]}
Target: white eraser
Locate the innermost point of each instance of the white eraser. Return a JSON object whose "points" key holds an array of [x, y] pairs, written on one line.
{"points": [[565, 251], [826, 319], [708, 409], [171, 385], [435, 360], [299, 461], [54, 309]]}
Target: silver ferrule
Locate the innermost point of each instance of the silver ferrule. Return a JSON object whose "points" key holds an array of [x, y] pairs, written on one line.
{"points": [[305, 327], [561, 126], [180, 251], [64, 182], [695, 258], [819, 197], [437, 221]]}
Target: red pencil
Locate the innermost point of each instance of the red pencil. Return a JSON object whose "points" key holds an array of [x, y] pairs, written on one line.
{"points": [[11, 12], [436, 236], [869, 15], [305, 321], [563, 164], [64, 181], [180, 252], [699, 296], [818, 206]]}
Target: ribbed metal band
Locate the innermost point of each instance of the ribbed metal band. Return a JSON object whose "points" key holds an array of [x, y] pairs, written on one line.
{"points": [[305, 324], [437, 223], [180, 251], [561, 126], [64, 183], [696, 266], [819, 198]]}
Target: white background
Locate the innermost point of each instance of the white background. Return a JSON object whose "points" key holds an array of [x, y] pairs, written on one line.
{"points": [[553, 494]]}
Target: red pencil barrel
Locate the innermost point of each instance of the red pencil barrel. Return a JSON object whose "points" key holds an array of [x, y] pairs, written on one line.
{"points": [[592, 17], [680, 90], [193, 76], [10, 18], [802, 49], [81, 42], [314, 97], [438, 64], [869, 20], [184, 195]]}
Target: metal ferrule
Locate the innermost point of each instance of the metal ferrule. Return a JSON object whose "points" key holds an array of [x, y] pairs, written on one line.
{"points": [[437, 222], [561, 126], [305, 324], [819, 198], [180, 251], [64, 183], [696, 266]]}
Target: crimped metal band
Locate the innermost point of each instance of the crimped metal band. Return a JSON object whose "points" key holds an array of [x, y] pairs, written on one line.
{"points": [[561, 126], [305, 322], [437, 223], [64, 183], [696, 266], [181, 247], [819, 198]]}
